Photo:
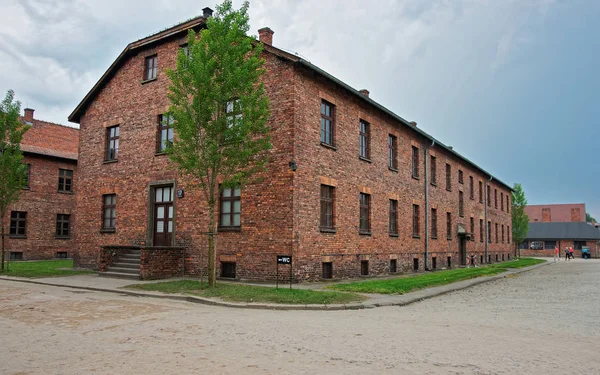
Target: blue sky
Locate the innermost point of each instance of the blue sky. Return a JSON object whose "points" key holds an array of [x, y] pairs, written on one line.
{"points": [[510, 84]]}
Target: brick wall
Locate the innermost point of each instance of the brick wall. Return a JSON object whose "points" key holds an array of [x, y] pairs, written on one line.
{"points": [[43, 202], [562, 244], [161, 263]]}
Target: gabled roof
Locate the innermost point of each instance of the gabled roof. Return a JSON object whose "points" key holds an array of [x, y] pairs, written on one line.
{"points": [[558, 212], [49, 139], [200, 22], [563, 231]]}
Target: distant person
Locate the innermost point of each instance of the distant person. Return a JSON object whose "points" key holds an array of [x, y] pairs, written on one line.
{"points": [[556, 254], [572, 253], [567, 253]]}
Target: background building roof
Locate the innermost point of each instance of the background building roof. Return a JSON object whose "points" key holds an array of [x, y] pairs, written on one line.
{"points": [[49, 139], [563, 231]]}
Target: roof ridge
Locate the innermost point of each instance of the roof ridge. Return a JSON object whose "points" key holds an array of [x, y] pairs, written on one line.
{"points": [[50, 123]]}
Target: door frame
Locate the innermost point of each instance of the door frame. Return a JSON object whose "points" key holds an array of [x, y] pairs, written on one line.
{"points": [[462, 250], [150, 209]]}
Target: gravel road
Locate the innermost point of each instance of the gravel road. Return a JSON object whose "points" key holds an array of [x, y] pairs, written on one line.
{"points": [[540, 322]]}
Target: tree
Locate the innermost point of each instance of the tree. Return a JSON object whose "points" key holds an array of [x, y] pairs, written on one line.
{"points": [[520, 220], [12, 169], [219, 110], [589, 218]]}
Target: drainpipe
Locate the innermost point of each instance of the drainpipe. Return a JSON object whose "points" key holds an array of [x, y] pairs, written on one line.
{"points": [[427, 204], [487, 223]]}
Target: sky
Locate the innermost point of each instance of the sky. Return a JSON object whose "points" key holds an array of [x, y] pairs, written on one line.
{"points": [[511, 84]]}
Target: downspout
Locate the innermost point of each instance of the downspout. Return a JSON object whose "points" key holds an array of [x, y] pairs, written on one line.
{"points": [[487, 223], [427, 204]]}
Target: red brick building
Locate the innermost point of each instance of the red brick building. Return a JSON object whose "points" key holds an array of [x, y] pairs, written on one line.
{"points": [[556, 213], [39, 224], [352, 189]]}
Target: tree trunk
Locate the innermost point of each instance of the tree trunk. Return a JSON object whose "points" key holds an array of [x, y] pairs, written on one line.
{"points": [[212, 282], [2, 256]]}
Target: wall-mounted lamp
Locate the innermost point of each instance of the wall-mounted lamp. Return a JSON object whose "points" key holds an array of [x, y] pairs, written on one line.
{"points": [[293, 166]]}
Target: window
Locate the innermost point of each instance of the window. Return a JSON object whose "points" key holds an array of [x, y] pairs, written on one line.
{"points": [[327, 270], [461, 204], [579, 244], [165, 132], [393, 266], [502, 233], [524, 245], [507, 234], [480, 192], [228, 269], [448, 177], [472, 227], [18, 224], [434, 262], [533, 245], [392, 152], [112, 143], [109, 206], [233, 111], [496, 198], [415, 224], [496, 225], [65, 178], [415, 264], [501, 201], [460, 177], [471, 189], [489, 231], [489, 202], [16, 255], [480, 230], [150, 67], [327, 123], [185, 49], [415, 162], [433, 170], [393, 216], [364, 139], [448, 225], [27, 175], [231, 208], [507, 204], [327, 218], [62, 226], [61, 255], [364, 267], [365, 211], [549, 245], [434, 223]]}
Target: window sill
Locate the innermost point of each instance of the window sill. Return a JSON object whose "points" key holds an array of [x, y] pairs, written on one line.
{"points": [[434, 184], [327, 230], [26, 188], [449, 238], [108, 230], [393, 169], [149, 80], [396, 235], [416, 177], [365, 159], [17, 236], [160, 153], [365, 233], [229, 229], [327, 145], [434, 237], [416, 236], [66, 192], [449, 189], [62, 238], [110, 161]]}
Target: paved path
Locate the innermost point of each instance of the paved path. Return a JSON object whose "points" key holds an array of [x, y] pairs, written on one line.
{"points": [[544, 321]]}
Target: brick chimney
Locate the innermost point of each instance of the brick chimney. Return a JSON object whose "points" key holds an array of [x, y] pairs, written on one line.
{"points": [[29, 114], [365, 92], [207, 12], [265, 35], [413, 123]]}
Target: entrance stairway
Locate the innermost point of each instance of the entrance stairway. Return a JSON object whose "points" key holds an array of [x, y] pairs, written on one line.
{"points": [[126, 266]]}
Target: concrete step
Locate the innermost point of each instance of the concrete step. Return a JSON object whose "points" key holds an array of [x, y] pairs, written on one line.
{"points": [[129, 261], [132, 271], [138, 252], [130, 256], [119, 275], [135, 266]]}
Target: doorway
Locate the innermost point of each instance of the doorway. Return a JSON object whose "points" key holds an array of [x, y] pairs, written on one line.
{"points": [[163, 216], [462, 250]]}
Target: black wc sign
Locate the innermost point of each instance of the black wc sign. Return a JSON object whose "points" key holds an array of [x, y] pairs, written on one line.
{"points": [[284, 259]]}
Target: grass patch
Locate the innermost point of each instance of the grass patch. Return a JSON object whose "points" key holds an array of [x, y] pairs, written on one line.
{"points": [[426, 280], [41, 268], [247, 293]]}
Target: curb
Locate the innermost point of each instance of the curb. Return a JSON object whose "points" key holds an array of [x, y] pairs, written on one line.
{"points": [[419, 295]]}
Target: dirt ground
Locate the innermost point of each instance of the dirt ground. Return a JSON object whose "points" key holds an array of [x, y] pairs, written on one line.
{"points": [[540, 322]]}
